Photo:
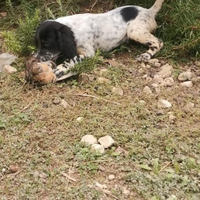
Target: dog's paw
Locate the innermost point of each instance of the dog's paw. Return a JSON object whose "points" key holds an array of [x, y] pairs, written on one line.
{"points": [[145, 57]]}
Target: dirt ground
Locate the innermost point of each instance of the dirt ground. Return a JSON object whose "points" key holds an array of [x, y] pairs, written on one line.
{"points": [[156, 154]]}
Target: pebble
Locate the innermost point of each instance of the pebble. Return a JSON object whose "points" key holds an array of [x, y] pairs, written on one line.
{"points": [[13, 168], [106, 141], [6, 59], [197, 63], [111, 177], [100, 185], [143, 65], [168, 82], [185, 76], [79, 119], [9, 69], [154, 60], [98, 148], [172, 118], [103, 72], [142, 102], [166, 71], [164, 103], [188, 84], [157, 78], [56, 101], [103, 80], [147, 90], [118, 91], [64, 104], [89, 139]]}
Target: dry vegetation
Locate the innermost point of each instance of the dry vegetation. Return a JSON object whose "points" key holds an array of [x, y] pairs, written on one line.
{"points": [[41, 154]]}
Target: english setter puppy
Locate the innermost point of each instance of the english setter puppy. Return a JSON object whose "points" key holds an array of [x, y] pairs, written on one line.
{"points": [[78, 36]]}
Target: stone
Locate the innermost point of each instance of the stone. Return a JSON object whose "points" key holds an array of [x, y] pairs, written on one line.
{"points": [[79, 119], [98, 148], [118, 91], [89, 139], [64, 104], [157, 79], [185, 76], [56, 101], [168, 82], [166, 71], [142, 65], [147, 90], [111, 177], [172, 118], [9, 69], [6, 59], [103, 72], [154, 60], [197, 63], [103, 80], [164, 103], [102, 186], [188, 84], [106, 141]]}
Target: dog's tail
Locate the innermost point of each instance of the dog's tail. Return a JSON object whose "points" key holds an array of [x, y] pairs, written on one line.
{"points": [[156, 6]]}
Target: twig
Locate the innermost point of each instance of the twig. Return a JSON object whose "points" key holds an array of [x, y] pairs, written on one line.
{"points": [[88, 95], [165, 166], [68, 177], [21, 110], [93, 5]]}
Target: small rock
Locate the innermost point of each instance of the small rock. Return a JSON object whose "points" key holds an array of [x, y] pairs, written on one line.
{"points": [[98, 148], [190, 105], [6, 59], [100, 185], [103, 80], [125, 191], [142, 102], [197, 63], [89, 139], [164, 103], [172, 118], [185, 76], [166, 71], [188, 84], [79, 119], [56, 101], [168, 82], [103, 72], [157, 64], [142, 64], [157, 79], [111, 177], [118, 91], [147, 90], [141, 71], [120, 150], [13, 168], [172, 197], [154, 85], [152, 61], [64, 104], [106, 141], [9, 69]]}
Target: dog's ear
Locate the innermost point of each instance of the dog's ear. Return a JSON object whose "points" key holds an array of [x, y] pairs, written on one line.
{"points": [[67, 42]]}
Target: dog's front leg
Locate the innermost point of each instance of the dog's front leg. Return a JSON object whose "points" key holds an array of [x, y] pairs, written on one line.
{"points": [[65, 70]]}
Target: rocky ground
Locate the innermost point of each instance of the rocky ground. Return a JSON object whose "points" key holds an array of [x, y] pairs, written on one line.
{"points": [[151, 111]]}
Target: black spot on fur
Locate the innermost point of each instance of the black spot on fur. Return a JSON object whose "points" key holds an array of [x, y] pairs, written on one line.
{"points": [[129, 13]]}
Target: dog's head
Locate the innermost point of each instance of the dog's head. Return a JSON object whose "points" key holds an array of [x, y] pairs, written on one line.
{"points": [[54, 40]]}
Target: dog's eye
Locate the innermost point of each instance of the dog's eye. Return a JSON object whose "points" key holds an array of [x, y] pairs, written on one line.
{"points": [[46, 43]]}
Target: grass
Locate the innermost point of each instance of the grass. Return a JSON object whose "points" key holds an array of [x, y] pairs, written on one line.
{"points": [[41, 153]]}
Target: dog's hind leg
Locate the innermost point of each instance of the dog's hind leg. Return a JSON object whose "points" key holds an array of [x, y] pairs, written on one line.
{"points": [[145, 37]]}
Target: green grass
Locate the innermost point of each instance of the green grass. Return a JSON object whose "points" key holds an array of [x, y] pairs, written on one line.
{"points": [[41, 138]]}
